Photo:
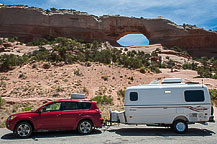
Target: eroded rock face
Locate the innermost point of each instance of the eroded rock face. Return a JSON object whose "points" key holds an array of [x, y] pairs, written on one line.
{"points": [[32, 23]]}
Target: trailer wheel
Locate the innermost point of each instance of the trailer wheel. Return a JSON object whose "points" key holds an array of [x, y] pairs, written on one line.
{"points": [[212, 110], [180, 126]]}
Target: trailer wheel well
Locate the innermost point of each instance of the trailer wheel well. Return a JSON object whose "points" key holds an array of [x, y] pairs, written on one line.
{"points": [[181, 118]]}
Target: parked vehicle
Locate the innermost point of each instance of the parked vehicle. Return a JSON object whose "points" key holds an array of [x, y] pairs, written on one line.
{"points": [[81, 115], [171, 103]]}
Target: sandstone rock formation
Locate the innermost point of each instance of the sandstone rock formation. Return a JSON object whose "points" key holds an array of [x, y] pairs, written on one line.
{"points": [[32, 23]]}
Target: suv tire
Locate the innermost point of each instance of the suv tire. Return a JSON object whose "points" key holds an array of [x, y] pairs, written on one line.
{"points": [[23, 130], [85, 127]]}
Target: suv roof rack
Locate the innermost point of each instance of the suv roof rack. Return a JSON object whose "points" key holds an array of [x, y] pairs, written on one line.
{"points": [[192, 83], [77, 99]]}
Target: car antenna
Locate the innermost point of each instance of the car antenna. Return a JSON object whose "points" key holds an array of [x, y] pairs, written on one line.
{"points": [[202, 83]]}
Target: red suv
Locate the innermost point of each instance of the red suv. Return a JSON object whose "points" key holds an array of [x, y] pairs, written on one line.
{"points": [[81, 115]]}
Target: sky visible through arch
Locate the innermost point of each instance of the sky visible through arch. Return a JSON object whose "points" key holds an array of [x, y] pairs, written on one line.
{"points": [[202, 13]]}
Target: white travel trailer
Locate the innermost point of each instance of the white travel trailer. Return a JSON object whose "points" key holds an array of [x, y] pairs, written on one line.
{"points": [[171, 103]]}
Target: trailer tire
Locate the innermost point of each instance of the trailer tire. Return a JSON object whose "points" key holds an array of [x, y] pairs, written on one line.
{"points": [[212, 110], [180, 126]]}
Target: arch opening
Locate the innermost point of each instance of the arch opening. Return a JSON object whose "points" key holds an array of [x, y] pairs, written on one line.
{"points": [[133, 39]]}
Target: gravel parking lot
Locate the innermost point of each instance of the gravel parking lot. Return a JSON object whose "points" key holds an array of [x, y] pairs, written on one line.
{"points": [[197, 134]]}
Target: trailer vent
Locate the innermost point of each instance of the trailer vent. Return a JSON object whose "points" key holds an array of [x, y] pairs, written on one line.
{"points": [[171, 80]]}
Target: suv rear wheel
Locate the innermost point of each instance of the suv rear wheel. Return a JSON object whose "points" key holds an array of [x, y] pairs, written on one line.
{"points": [[85, 127], [180, 126], [23, 129]]}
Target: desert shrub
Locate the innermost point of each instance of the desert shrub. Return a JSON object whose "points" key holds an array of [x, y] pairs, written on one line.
{"points": [[163, 65], [213, 94], [12, 39], [121, 93], [2, 102], [41, 55], [175, 48], [204, 72], [1, 41], [103, 99], [105, 78], [214, 76], [191, 66], [170, 63], [154, 69], [26, 109], [8, 61], [59, 89], [142, 69], [53, 9], [85, 90], [77, 72], [70, 51], [46, 65], [203, 60], [131, 78]]}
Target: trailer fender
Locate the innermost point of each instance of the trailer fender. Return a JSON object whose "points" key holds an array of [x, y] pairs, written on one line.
{"points": [[181, 118]]}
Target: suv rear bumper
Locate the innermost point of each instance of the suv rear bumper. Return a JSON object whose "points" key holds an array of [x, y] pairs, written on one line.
{"points": [[99, 123]]}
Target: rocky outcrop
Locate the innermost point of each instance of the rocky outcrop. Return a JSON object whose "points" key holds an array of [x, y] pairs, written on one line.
{"points": [[32, 23]]}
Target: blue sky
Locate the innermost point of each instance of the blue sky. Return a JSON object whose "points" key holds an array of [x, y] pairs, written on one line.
{"points": [[202, 13]]}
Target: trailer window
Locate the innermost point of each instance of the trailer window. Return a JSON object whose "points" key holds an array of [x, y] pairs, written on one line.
{"points": [[133, 96], [194, 96]]}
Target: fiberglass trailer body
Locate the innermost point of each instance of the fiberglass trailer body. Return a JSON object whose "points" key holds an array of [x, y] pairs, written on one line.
{"points": [[170, 103]]}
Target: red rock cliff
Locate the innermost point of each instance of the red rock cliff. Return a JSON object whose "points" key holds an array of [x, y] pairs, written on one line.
{"points": [[32, 23]]}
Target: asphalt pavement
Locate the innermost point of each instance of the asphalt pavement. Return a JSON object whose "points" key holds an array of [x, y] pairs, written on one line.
{"points": [[197, 134]]}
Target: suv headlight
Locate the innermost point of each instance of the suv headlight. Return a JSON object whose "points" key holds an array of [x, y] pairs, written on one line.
{"points": [[11, 117]]}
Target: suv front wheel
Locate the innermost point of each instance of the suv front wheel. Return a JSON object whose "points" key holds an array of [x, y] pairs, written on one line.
{"points": [[23, 130], [85, 127]]}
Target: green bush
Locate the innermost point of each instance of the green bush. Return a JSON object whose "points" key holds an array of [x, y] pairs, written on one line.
{"points": [[2, 102], [8, 61], [12, 39], [77, 72], [1, 41], [121, 93], [26, 109], [213, 94], [70, 51], [204, 72], [170, 63], [142, 69], [103, 99]]}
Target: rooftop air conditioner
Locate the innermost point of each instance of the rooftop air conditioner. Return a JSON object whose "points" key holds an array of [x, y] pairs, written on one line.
{"points": [[171, 80]]}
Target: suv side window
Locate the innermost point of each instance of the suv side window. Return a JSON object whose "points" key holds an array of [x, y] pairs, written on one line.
{"points": [[52, 107], [70, 106], [84, 105], [194, 96]]}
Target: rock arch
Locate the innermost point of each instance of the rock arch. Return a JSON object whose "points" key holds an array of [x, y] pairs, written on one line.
{"points": [[33, 23]]}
